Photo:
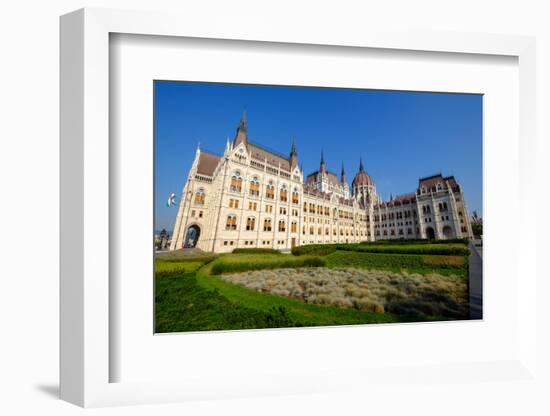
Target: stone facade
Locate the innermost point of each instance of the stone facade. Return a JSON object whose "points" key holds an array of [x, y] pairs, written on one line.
{"points": [[254, 197]]}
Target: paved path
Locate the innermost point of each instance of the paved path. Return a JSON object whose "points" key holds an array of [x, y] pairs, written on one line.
{"points": [[476, 283]]}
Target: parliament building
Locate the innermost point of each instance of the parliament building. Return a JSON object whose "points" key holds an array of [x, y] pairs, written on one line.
{"points": [[254, 197]]}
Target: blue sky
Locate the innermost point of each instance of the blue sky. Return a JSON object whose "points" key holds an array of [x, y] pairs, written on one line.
{"points": [[401, 136]]}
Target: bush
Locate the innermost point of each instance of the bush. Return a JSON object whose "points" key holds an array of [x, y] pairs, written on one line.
{"points": [[417, 241], [439, 249], [385, 247], [314, 249], [256, 250], [224, 265]]}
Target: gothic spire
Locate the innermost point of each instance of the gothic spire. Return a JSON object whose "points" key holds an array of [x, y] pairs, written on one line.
{"points": [[361, 167], [293, 155], [240, 137], [343, 174], [323, 166], [293, 151], [242, 124]]}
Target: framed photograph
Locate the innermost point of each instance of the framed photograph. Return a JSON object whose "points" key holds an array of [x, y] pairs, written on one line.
{"points": [[243, 214]]}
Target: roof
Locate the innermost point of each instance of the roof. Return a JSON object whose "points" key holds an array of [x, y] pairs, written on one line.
{"points": [[362, 178], [431, 182], [273, 158], [314, 178], [207, 163], [398, 201]]}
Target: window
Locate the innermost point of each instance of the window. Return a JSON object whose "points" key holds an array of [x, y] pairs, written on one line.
{"points": [[282, 210], [327, 231], [283, 194], [282, 226], [231, 223], [293, 227], [255, 186], [233, 203], [295, 196], [269, 208], [200, 214], [267, 224], [236, 182], [250, 223], [270, 190], [252, 206], [311, 230], [199, 197]]}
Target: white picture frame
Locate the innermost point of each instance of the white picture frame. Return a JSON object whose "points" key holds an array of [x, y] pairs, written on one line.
{"points": [[85, 213]]}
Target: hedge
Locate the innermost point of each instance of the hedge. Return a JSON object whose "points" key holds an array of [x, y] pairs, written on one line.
{"points": [[417, 241], [223, 266], [456, 249], [314, 249], [256, 250]]}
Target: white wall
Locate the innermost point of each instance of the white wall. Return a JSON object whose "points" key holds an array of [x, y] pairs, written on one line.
{"points": [[29, 208]]}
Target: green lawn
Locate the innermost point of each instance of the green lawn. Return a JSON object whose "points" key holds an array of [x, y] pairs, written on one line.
{"points": [[190, 295], [397, 263]]}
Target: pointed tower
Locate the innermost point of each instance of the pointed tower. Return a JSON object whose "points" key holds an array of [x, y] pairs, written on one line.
{"points": [[293, 156], [343, 175], [362, 186], [323, 168], [241, 137]]}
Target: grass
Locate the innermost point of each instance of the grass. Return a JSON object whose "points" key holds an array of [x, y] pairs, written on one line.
{"points": [[326, 285], [232, 263], [424, 297], [414, 247], [181, 304], [399, 263]]}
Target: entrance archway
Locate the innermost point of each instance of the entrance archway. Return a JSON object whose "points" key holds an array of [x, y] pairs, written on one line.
{"points": [[430, 233], [447, 232], [192, 236]]}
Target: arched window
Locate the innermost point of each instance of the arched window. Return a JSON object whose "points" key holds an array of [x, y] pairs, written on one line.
{"points": [[199, 197], [231, 223], [305, 206], [267, 224], [327, 231], [282, 226], [270, 190], [311, 230], [295, 196], [236, 182], [293, 227], [255, 186], [250, 223], [283, 194]]}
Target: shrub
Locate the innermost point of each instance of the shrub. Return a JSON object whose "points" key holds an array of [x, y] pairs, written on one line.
{"points": [[439, 249], [418, 241], [314, 249], [256, 250], [231, 266], [444, 247]]}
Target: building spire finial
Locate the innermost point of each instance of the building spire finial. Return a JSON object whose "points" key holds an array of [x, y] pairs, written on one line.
{"points": [[242, 124], [361, 167], [293, 151], [323, 166]]}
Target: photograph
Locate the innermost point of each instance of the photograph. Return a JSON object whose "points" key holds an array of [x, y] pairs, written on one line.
{"points": [[292, 206]]}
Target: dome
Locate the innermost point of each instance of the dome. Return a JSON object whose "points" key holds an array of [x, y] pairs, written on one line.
{"points": [[362, 178]]}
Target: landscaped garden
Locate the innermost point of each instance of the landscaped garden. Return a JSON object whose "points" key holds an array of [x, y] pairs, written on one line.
{"points": [[336, 284]]}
